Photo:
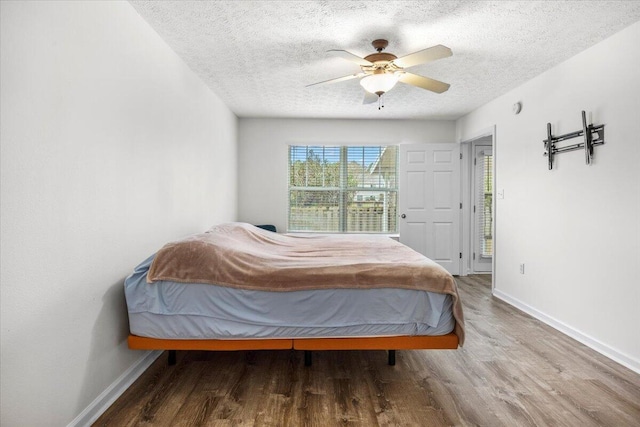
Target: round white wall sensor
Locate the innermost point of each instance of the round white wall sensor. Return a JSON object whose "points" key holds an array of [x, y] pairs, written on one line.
{"points": [[517, 107]]}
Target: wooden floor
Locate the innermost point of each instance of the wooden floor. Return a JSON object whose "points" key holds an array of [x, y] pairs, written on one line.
{"points": [[512, 371]]}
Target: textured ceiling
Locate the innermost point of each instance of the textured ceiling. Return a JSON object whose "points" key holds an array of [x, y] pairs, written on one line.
{"points": [[259, 55]]}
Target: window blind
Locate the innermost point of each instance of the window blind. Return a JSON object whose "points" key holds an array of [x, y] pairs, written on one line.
{"points": [[345, 189], [484, 187]]}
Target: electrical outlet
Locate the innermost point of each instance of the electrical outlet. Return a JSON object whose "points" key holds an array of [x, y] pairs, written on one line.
{"points": [[521, 268]]}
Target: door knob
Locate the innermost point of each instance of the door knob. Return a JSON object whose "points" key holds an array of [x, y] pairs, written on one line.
{"points": [[403, 216]]}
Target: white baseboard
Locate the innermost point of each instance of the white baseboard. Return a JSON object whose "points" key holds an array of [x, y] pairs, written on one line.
{"points": [[101, 403], [600, 347]]}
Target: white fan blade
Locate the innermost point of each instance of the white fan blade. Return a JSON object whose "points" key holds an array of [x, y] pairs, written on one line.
{"points": [[424, 82], [349, 57], [369, 98], [339, 79], [422, 56]]}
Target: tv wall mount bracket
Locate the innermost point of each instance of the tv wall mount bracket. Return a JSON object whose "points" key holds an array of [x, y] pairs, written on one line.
{"points": [[593, 135]]}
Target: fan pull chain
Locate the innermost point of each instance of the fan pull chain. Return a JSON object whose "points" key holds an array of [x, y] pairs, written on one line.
{"points": [[380, 102]]}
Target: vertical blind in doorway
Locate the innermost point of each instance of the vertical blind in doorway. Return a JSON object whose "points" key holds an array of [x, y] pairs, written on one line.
{"points": [[484, 206]]}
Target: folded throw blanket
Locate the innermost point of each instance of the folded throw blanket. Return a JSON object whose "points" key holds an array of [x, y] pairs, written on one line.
{"points": [[243, 256]]}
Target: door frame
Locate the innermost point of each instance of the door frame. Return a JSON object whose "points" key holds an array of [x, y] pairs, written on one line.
{"points": [[467, 148]]}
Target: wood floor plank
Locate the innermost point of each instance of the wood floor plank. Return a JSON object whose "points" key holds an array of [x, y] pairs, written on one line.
{"points": [[513, 370]]}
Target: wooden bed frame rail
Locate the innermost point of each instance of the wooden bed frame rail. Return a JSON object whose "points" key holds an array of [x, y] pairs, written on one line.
{"points": [[439, 342]]}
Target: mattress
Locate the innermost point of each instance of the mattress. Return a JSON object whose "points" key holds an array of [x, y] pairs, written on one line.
{"points": [[170, 310]]}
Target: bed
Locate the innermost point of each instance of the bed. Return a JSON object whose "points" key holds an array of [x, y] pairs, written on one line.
{"points": [[240, 287]]}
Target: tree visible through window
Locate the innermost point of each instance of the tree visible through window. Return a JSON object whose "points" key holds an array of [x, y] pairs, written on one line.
{"points": [[343, 189]]}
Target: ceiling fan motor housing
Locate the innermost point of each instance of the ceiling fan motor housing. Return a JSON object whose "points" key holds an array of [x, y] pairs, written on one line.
{"points": [[380, 59], [380, 56]]}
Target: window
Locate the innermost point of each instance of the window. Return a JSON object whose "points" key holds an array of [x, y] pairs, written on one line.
{"points": [[484, 163], [343, 189]]}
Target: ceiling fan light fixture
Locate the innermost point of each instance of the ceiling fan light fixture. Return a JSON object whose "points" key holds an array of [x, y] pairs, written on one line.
{"points": [[379, 83]]}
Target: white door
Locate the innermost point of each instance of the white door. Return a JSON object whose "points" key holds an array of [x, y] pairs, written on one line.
{"points": [[429, 201], [482, 209]]}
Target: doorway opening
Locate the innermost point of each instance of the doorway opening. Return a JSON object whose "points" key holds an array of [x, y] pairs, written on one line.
{"points": [[478, 181]]}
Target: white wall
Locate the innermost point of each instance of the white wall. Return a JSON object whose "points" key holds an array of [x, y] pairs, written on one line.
{"points": [[263, 154], [576, 228], [111, 146]]}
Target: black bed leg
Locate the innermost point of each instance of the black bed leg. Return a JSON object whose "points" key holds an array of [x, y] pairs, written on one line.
{"points": [[307, 358], [172, 357], [392, 357]]}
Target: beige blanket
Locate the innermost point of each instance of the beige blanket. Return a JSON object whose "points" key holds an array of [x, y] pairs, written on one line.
{"points": [[243, 256]]}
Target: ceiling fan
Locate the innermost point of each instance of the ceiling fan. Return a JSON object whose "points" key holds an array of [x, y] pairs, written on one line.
{"points": [[382, 70]]}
